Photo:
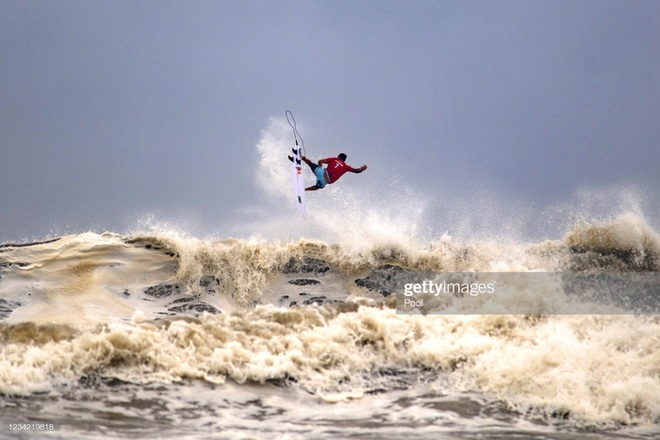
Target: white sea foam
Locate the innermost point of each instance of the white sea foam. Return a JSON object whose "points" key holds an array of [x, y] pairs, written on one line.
{"points": [[282, 306]]}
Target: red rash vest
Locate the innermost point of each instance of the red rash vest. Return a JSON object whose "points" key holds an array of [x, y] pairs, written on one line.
{"points": [[336, 168]]}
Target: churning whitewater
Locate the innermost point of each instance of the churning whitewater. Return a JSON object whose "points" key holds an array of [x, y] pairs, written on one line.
{"points": [[156, 333], [319, 319]]}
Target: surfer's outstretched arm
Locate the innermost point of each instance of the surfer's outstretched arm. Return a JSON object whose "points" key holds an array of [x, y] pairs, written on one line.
{"points": [[358, 170]]}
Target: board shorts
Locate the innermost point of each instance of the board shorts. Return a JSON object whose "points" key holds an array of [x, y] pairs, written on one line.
{"points": [[320, 175]]}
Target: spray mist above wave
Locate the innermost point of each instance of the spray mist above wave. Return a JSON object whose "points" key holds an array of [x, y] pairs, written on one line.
{"points": [[356, 212], [381, 207]]}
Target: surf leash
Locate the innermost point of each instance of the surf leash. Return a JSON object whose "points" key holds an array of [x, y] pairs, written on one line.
{"points": [[292, 122]]}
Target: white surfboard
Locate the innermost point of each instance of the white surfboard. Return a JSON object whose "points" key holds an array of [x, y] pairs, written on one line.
{"points": [[297, 166], [298, 181]]}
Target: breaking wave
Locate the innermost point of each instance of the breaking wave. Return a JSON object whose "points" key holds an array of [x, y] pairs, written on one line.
{"points": [[159, 306]]}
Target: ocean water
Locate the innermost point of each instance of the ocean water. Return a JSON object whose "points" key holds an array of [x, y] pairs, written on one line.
{"points": [[163, 335], [280, 328]]}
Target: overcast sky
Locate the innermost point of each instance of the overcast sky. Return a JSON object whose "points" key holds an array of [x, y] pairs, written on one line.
{"points": [[115, 110]]}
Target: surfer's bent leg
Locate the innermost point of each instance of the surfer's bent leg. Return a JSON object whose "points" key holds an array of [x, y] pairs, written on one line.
{"points": [[311, 164], [319, 172]]}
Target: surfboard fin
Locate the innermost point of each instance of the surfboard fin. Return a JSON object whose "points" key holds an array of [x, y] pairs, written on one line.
{"points": [[290, 158]]}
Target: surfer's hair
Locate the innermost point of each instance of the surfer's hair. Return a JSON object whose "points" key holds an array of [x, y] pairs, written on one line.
{"points": [[341, 157]]}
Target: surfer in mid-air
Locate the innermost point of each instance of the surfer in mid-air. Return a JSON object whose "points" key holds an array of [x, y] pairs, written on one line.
{"points": [[336, 167]]}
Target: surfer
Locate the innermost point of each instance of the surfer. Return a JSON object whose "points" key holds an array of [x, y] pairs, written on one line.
{"points": [[336, 167]]}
